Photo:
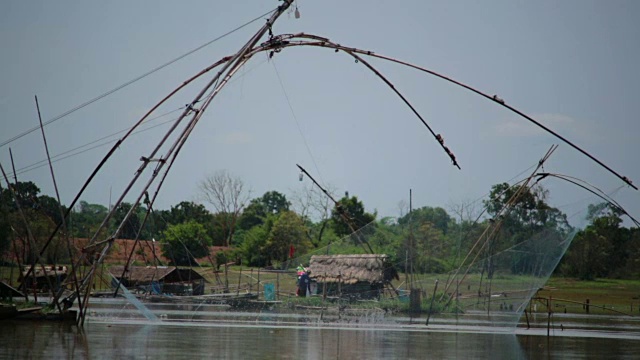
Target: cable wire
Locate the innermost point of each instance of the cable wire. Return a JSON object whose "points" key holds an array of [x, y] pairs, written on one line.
{"points": [[122, 86], [293, 114]]}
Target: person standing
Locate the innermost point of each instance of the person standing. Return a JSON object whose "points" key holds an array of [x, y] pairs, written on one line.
{"points": [[304, 284]]}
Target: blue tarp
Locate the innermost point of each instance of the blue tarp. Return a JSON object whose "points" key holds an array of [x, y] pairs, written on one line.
{"points": [[155, 288], [269, 292]]}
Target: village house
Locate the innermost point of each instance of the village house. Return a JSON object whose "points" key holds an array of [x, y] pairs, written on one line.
{"points": [[160, 280], [359, 276]]}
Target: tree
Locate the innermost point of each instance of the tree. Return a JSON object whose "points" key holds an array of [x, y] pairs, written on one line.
{"points": [[632, 266], [219, 232], [85, 219], [186, 211], [26, 194], [227, 194], [275, 202], [183, 212], [185, 242], [524, 208], [288, 230], [253, 215], [437, 216], [522, 218], [602, 248], [133, 224], [271, 203], [349, 216], [429, 244], [5, 225], [587, 256], [252, 243], [312, 204], [32, 230]]}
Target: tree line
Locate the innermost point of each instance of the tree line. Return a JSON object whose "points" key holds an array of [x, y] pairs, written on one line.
{"points": [[272, 229]]}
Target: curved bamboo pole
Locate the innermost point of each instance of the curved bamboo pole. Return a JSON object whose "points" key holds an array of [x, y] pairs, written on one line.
{"points": [[283, 41], [228, 70], [590, 188], [232, 64]]}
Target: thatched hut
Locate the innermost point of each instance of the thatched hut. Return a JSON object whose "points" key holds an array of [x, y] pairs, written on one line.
{"points": [[43, 276], [161, 279], [361, 276]]}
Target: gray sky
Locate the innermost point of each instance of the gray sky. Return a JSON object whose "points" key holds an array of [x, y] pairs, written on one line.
{"points": [[570, 64]]}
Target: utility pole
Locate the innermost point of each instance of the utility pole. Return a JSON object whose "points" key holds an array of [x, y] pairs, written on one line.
{"points": [[411, 238]]}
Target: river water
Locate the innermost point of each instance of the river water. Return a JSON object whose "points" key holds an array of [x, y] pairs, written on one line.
{"points": [[197, 332]]}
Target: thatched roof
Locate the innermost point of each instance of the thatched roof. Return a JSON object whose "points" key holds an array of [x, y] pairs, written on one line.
{"points": [[142, 273], [49, 270], [351, 269], [147, 274]]}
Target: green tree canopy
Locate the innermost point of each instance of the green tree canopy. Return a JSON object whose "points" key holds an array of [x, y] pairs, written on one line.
{"points": [[26, 193], [186, 211], [272, 202], [529, 209], [521, 214], [603, 248], [185, 242], [288, 230], [133, 225], [436, 216], [85, 219], [356, 217]]}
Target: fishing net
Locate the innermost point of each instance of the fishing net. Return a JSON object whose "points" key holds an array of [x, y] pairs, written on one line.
{"points": [[488, 269]]}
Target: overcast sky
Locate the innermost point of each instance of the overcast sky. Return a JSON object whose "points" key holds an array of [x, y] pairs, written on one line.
{"points": [[570, 64]]}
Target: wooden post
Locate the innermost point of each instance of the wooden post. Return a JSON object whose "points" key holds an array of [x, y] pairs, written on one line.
{"points": [[431, 306], [239, 278], [277, 285], [324, 288], [258, 282], [414, 303], [548, 315], [226, 279], [324, 296], [250, 281], [586, 305]]}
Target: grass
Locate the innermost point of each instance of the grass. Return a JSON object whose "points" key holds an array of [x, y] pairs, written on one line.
{"points": [[606, 296], [612, 294]]}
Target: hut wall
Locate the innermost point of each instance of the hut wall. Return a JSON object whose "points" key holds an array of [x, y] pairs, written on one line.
{"points": [[42, 284], [178, 288], [182, 275], [358, 291]]}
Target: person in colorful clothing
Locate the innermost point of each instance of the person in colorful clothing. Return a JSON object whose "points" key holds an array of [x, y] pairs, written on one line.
{"points": [[304, 284], [300, 271]]}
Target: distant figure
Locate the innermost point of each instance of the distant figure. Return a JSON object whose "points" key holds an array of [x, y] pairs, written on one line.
{"points": [[299, 271], [304, 284]]}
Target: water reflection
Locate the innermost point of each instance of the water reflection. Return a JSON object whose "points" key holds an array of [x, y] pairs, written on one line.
{"points": [[170, 341], [272, 335]]}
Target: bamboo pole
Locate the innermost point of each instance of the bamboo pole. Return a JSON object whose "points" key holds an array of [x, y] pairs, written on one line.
{"points": [[229, 69], [31, 239], [65, 229], [284, 41]]}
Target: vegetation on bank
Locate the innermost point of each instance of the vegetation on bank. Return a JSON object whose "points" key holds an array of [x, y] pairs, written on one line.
{"points": [[270, 231], [605, 296]]}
